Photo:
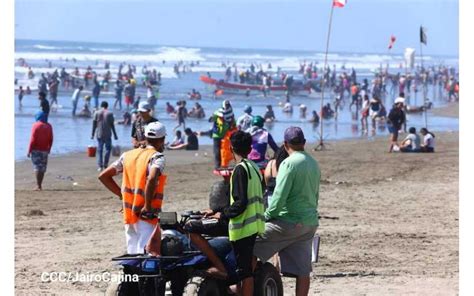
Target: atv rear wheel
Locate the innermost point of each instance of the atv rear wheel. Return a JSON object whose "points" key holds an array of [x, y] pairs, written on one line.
{"points": [[267, 281]]}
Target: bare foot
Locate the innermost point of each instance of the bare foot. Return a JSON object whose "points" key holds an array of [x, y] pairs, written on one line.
{"points": [[38, 189]]}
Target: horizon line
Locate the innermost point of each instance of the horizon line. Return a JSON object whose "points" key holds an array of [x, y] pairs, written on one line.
{"points": [[238, 48]]}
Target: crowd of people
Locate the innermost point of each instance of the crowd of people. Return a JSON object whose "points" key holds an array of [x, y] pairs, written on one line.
{"points": [[224, 124], [366, 95], [272, 207]]}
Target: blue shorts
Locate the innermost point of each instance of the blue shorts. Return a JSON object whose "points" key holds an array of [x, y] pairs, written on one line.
{"points": [[39, 160]]}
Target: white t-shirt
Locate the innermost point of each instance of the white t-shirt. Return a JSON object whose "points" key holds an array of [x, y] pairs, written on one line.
{"points": [[245, 121], [149, 93], [157, 161], [414, 140], [365, 104], [75, 95], [429, 141]]}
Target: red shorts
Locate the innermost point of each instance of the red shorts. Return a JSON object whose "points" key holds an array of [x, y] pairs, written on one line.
{"points": [[128, 100]]}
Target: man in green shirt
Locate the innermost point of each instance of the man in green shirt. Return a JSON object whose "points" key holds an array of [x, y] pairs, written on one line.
{"points": [[292, 215]]}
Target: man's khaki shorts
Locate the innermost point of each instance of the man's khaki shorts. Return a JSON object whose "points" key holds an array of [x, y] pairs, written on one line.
{"points": [[292, 241]]}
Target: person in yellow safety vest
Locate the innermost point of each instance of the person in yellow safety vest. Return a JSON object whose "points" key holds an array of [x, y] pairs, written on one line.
{"points": [[246, 210], [142, 189]]}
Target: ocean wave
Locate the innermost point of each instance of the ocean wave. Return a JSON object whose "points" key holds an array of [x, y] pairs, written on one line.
{"points": [[45, 47], [105, 49], [225, 57], [167, 54]]}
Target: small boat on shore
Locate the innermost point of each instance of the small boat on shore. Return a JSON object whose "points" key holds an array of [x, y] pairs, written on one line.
{"points": [[298, 87]]}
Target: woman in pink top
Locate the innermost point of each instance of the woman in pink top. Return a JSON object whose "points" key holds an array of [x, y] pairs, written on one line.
{"points": [[40, 146]]}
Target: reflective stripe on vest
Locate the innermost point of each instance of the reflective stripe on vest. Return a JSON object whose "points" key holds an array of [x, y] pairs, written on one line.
{"points": [[135, 172], [252, 220]]}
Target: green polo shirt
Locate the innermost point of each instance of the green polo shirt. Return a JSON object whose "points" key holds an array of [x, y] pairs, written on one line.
{"points": [[295, 198]]}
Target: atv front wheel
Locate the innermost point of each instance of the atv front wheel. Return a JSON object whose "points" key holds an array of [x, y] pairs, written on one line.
{"points": [[121, 289]]}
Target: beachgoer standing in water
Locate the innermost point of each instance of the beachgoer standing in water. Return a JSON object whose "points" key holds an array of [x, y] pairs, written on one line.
{"points": [[75, 99], [96, 93], [21, 93], [181, 115], [44, 104], [43, 84], [269, 114], [103, 127], [169, 108], [151, 98], [118, 94], [375, 106], [41, 142], [53, 92], [244, 122], [128, 91], [365, 114]]}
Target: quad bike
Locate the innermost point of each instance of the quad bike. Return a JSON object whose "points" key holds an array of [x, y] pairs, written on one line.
{"points": [[183, 267]]}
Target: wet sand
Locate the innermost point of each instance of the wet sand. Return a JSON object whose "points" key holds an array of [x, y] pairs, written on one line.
{"points": [[389, 222], [450, 110]]}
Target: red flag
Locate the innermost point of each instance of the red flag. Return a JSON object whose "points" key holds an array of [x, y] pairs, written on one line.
{"points": [[392, 41], [339, 3]]}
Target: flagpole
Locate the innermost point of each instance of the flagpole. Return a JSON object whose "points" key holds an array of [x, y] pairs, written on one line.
{"points": [[424, 91], [321, 145]]}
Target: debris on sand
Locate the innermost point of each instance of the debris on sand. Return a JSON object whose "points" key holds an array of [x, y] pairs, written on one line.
{"points": [[328, 217], [34, 213], [66, 178]]}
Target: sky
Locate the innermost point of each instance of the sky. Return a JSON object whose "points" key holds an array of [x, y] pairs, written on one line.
{"points": [[361, 26]]}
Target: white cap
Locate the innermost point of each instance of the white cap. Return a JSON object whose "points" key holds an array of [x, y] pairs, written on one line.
{"points": [[155, 130], [399, 100], [144, 107]]}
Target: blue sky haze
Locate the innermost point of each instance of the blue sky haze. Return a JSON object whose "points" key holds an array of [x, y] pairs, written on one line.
{"points": [[362, 26]]}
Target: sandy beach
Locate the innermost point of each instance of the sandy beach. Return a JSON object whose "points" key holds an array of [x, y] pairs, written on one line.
{"points": [[389, 222]]}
